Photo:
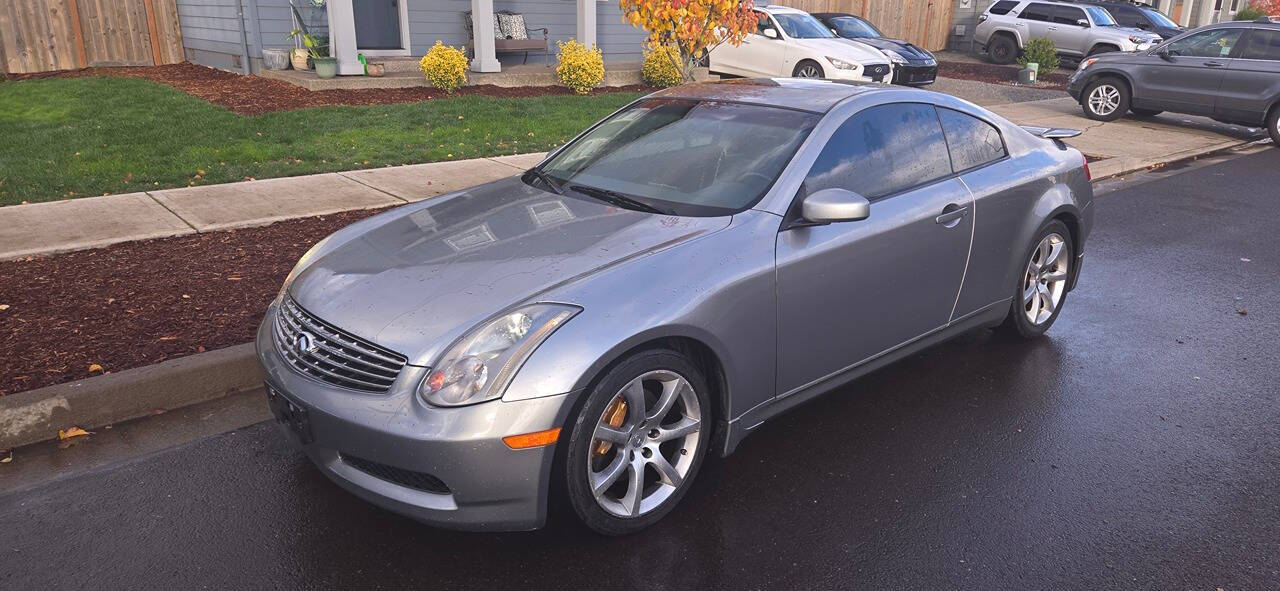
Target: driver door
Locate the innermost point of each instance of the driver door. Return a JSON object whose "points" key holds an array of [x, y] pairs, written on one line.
{"points": [[757, 55], [849, 291], [1187, 78]]}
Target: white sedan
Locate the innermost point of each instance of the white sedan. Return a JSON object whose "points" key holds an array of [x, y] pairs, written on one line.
{"points": [[790, 42]]}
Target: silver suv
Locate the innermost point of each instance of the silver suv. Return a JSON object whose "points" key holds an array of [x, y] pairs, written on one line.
{"points": [[1078, 30]]}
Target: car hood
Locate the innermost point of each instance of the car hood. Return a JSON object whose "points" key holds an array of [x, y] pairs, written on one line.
{"points": [[1127, 31], [843, 49], [908, 51], [431, 271]]}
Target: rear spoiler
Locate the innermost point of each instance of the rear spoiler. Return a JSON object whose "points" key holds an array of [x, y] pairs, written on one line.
{"points": [[1051, 133]]}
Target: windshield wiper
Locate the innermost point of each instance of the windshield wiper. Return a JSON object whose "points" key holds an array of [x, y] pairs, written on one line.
{"points": [[546, 180], [616, 198]]}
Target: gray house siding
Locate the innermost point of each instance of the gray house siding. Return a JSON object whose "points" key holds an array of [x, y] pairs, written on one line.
{"points": [[967, 17], [211, 29]]}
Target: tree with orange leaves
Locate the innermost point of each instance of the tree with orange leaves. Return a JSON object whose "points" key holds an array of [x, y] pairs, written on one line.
{"points": [[692, 27]]}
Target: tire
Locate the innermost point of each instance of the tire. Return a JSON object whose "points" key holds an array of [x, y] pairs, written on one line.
{"points": [[1002, 50], [808, 69], [1110, 102], [1273, 125], [1102, 49], [635, 440], [1036, 274], [1144, 112]]}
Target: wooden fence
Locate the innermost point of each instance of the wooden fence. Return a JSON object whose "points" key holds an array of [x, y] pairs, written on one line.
{"points": [[925, 23], [47, 35]]}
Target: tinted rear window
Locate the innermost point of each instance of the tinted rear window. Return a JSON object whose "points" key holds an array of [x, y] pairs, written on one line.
{"points": [[972, 141], [1037, 12], [1002, 7], [1262, 44]]}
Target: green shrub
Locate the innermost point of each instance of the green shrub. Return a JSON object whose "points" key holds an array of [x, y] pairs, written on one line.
{"points": [[1040, 50], [581, 68], [1249, 13], [660, 67]]}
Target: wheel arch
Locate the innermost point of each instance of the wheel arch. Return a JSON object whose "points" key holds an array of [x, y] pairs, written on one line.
{"points": [[1096, 45], [1119, 75], [1007, 32]]}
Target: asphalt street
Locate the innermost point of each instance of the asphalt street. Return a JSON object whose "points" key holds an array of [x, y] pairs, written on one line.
{"points": [[1137, 447]]}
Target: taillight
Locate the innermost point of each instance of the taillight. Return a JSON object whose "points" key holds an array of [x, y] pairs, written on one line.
{"points": [[982, 18]]}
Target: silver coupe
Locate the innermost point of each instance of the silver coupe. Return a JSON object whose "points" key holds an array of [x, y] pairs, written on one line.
{"points": [[656, 289]]}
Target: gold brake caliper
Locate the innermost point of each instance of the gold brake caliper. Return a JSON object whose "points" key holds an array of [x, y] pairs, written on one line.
{"points": [[613, 416]]}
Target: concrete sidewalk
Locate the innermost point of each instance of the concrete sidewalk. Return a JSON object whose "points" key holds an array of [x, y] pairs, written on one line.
{"points": [[61, 226], [78, 224]]}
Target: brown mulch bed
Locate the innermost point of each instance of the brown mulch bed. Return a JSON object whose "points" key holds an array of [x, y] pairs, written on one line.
{"points": [[254, 95], [139, 303], [994, 74]]}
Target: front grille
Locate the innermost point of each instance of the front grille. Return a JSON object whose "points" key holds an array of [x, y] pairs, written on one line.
{"points": [[877, 70], [324, 352], [407, 478]]}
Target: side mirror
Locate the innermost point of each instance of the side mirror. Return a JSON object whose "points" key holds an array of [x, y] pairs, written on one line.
{"points": [[834, 205], [1164, 54], [1084, 22], [835, 32], [771, 33]]}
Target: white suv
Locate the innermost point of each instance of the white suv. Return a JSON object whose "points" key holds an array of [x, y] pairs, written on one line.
{"points": [[790, 42], [1078, 30]]}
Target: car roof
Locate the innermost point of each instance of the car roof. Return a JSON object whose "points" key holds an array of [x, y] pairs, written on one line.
{"points": [[777, 8], [804, 94]]}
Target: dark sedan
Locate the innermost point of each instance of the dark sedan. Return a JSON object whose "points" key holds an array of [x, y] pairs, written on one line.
{"points": [[912, 66]]}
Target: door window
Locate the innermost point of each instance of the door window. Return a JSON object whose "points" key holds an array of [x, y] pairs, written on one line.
{"points": [[1037, 12], [1067, 15], [1214, 43], [1262, 44], [883, 150], [971, 141], [763, 23]]}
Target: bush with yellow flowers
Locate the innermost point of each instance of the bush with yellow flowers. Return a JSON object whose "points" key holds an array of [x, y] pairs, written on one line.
{"points": [[445, 67], [579, 68], [659, 68]]}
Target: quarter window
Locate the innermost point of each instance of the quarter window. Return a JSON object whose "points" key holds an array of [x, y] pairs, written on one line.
{"points": [[972, 141], [883, 150], [1262, 44]]}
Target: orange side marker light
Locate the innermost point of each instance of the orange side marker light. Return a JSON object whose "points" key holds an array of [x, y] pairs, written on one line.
{"points": [[536, 439]]}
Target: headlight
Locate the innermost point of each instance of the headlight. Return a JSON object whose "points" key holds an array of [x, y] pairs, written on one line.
{"points": [[1086, 63], [1138, 40], [894, 56], [480, 365], [841, 64]]}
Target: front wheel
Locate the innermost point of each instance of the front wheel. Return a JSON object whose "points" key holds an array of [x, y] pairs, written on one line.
{"points": [[807, 69], [638, 442], [1042, 288], [1105, 99]]}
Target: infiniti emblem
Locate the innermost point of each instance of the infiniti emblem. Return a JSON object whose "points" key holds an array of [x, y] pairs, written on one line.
{"points": [[305, 342]]}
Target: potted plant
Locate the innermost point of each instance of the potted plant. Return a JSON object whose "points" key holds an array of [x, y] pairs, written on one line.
{"points": [[317, 51]]}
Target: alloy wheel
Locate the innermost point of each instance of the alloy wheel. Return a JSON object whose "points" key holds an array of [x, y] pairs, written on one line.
{"points": [[808, 71], [1104, 100], [644, 444], [1045, 281]]}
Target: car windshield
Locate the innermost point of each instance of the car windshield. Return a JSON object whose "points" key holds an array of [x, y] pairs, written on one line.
{"points": [[853, 27], [1100, 16], [679, 156], [802, 26], [1158, 19]]}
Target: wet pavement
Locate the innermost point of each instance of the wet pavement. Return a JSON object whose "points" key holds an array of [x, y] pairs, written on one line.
{"points": [[1136, 447]]}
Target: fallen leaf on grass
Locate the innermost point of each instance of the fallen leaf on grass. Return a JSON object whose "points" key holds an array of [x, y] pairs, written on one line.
{"points": [[4, 307], [8, 457], [94, 368], [65, 434]]}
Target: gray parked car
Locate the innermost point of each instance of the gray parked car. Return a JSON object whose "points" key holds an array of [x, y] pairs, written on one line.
{"points": [[700, 261], [1227, 71], [1077, 30]]}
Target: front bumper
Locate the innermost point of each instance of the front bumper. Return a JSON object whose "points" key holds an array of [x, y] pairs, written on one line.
{"points": [[915, 74], [864, 74], [1075, 86], [382, 447]]}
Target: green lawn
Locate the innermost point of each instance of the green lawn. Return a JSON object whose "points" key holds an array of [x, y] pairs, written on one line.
{"points": [[78, 137]]}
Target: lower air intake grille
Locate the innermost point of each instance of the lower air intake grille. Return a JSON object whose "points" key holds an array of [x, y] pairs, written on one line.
{"points": [[406, 478]]}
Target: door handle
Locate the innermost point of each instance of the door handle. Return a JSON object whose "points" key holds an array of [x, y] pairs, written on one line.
{"points": [[951, 215], [1214, 64]]}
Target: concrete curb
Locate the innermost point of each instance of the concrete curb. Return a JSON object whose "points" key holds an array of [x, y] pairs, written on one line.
{"points": [[1122, 165], [37, 415]]}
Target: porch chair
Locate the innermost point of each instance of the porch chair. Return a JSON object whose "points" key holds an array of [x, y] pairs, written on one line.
{"points": [[511, 35]]}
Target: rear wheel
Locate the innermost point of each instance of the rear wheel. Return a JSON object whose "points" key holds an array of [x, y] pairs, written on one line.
{"points": [[1042, 287], [1105, 99], [1002, 49], [807, 69], [638, 442], [1144, 112]]}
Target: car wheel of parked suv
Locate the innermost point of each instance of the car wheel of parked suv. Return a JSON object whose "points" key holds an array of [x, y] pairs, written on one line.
{"points": [[638, 442], [1144, 112], [1273, 125], [1002, 49], [1042, 288], [1105, 99], [807, 69]]}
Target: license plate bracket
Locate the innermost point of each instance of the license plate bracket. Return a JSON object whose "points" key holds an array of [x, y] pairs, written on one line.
{"points": [[290, 414]]}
